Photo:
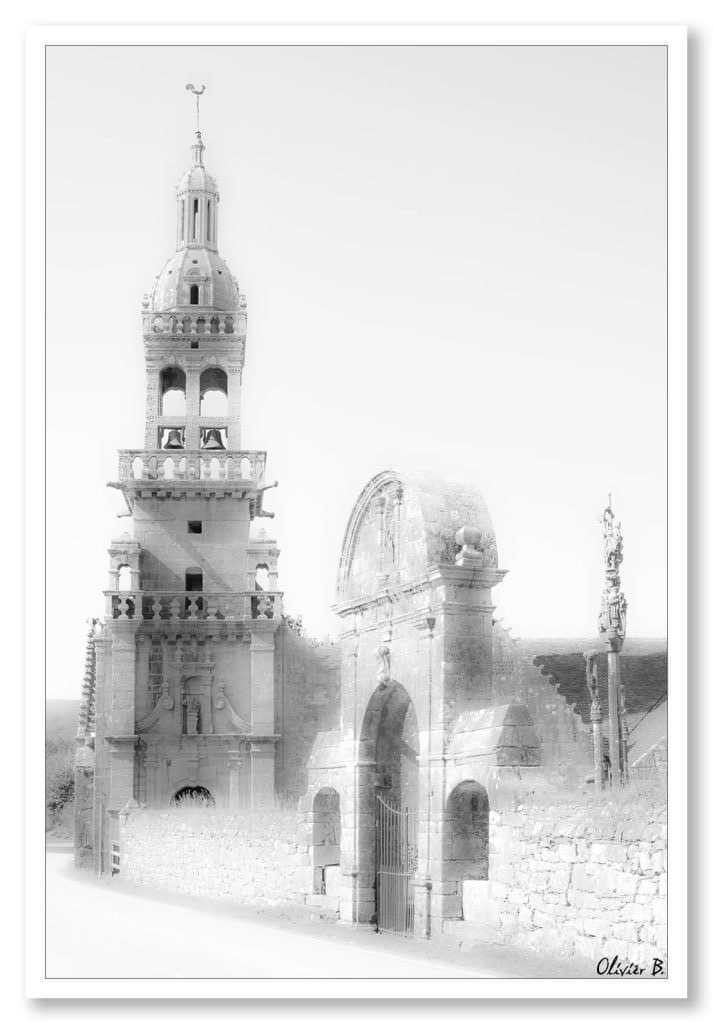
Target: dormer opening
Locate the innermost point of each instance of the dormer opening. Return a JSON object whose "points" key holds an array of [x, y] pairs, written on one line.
{"points": [[194, 294]]}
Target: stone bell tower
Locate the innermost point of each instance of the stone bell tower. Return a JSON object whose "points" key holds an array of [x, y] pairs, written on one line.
{"points": [[185, 660]]}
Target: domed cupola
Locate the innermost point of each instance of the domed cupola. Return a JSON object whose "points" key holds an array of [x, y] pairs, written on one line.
{"points": [[196, 275]]}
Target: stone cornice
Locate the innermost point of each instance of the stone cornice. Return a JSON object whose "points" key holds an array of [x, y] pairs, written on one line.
{"points": [[454, 575]]}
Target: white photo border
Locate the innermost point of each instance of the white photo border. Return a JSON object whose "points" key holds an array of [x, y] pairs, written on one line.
{"points": [[672, 37]]}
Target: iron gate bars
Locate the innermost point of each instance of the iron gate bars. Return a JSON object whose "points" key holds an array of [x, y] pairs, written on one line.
{"points": [[395, 867]]}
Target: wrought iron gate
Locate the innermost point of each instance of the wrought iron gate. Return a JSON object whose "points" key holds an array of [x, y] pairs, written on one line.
{"points": [[395, 867]]}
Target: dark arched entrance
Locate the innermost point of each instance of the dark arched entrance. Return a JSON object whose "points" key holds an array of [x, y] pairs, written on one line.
{"points": [[326, 837], [193, 795], [390, 741], [466, 838]]}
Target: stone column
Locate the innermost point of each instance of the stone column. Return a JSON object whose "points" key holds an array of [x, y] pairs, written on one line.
{"points": [[358, 847], [193, 387], [235, 761], [100, 748], [262, 673], [123, 677], [262, 773], [121, 773], [234, 380], [121, 715], [612, 625], [596, 716], [153, 407], [152, 763]]}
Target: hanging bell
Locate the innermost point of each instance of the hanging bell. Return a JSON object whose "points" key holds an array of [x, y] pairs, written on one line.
{"points": [[213, 440], [174, 439]]}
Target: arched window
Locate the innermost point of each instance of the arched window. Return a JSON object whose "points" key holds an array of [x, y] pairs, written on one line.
{"points": [[262, 580], [194, 233], [214, 392], [209, 222], [194, 294], [173, 391], [182, 219]]}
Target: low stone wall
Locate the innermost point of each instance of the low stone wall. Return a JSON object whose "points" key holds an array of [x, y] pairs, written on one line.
{"points": [[583, 879], [254, 860]]}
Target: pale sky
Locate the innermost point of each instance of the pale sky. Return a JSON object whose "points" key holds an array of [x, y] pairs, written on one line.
{"points": [[454, 259]]}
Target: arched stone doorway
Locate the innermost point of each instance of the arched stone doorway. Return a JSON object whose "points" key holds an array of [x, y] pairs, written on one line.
{"points": [[388, 806], [195, 795], [466, 841], [389, 740]]}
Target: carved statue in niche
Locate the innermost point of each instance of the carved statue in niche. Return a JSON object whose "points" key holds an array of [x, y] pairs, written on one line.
{"points": [[193, 714]]}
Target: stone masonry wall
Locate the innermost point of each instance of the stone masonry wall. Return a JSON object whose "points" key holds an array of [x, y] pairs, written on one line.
{"points": [[586, 879], [307, 691], [201, 853], [565, 740]]}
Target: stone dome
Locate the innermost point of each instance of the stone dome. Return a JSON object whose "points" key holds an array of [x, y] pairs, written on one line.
{"points": [[197, 179], [205, 268]]}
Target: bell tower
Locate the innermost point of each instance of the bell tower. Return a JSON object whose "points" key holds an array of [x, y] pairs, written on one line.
{"points": [[186, 656]]}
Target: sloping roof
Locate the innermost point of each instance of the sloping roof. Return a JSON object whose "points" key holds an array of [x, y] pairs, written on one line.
{"points": [[644, 677], [647, 732]]}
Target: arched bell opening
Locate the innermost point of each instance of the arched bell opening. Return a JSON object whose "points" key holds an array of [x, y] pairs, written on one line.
{"points": [[214, 392], [173, 391]]}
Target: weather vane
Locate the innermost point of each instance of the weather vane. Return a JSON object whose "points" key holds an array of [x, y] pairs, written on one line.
{"points": [[197, 93]]}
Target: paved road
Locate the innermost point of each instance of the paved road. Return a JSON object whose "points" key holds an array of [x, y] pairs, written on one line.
{"points": [[108, 931]]}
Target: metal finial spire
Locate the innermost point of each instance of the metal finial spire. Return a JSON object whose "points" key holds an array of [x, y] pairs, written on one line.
{"points": [[197, 93]]}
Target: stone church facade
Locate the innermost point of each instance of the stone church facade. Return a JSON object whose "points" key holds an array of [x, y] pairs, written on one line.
{"points": [[196, 666]]}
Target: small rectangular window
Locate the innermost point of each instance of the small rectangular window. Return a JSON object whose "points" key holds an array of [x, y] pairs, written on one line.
{"points": [[194, 580], [194, 343], [195, 526]]}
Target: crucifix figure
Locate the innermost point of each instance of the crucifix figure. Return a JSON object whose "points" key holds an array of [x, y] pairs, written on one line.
{"points": [[197, 92]]}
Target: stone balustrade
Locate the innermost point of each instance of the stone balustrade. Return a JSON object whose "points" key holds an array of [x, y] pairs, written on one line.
{"points": [[184, 605], [182, 324], [180, 464]]}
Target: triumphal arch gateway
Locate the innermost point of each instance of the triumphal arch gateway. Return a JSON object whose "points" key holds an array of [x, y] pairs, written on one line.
{"points": [[426, 742]]}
